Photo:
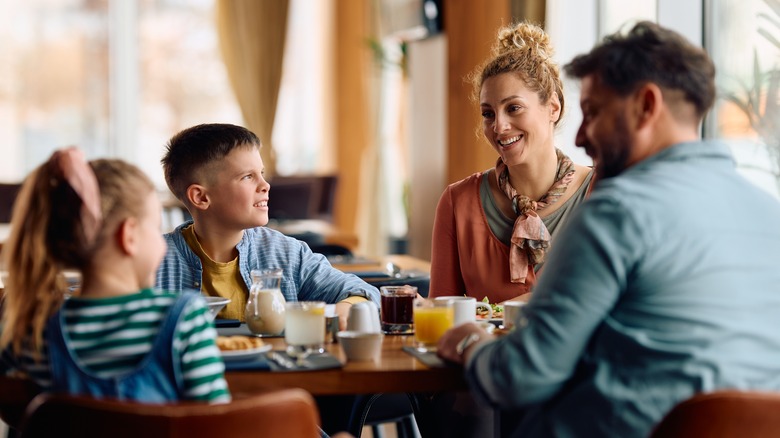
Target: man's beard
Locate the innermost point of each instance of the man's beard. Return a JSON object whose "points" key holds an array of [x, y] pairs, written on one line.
{"points": [[613, 155]]}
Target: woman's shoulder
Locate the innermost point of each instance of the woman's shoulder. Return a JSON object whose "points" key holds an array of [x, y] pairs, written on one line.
{"points": [[583, 174], [467, 184]]}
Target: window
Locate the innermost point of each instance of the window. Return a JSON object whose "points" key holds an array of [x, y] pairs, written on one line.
{"points": [[745, 61], [116, 78]]}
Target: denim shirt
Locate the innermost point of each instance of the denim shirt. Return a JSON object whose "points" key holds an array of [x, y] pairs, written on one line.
{"points": [[306, 276], [157, 379], [662, 285]]}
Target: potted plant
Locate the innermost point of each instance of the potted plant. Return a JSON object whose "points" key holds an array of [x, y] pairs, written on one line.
{"points": [[761, 101]]}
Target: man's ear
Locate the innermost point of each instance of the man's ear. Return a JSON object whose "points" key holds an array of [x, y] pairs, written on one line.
{"points": [[650, 100], [198, 197], [127, 236]]}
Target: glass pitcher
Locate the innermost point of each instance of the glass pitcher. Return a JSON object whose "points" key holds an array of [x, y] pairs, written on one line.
{"points": [[264, 313]]}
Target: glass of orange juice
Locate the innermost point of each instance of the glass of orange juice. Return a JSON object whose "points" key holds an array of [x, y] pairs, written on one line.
{"points": [[431, 319]]}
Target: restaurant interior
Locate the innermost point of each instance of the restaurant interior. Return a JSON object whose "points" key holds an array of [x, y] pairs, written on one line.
{"points": [[362, 106]]}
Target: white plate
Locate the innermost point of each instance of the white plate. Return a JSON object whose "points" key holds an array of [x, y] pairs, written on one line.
{"points": [[252, 353]]}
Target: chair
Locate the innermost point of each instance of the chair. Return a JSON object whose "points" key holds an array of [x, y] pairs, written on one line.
{"points": [[302, 197], [8, 194], [282, 413], [405, 411], [15, 395], [723, 414]]}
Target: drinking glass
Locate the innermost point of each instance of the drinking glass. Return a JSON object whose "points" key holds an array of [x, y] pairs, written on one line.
{"points": [[431, 319], [397, 303], [304, 329], [513, 311]]}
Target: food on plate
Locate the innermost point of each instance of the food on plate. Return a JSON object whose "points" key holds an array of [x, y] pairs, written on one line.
{"points": [[234, 343], [498, 310]]}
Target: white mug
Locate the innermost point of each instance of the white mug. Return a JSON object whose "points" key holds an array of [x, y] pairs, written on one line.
{"points": [[465, 308], [364, 317], [512, 311]]}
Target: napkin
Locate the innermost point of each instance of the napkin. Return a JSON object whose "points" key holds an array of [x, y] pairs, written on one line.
{"points": [[219, 323], [429, 358], [258, 362], [322, 361]]}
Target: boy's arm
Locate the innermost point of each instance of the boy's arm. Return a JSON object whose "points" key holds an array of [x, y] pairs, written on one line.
{"points": [[321, 281], [342, 309], [311, 277]]}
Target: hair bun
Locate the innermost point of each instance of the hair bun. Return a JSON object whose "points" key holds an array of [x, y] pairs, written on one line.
{"points": [[523, 36]]}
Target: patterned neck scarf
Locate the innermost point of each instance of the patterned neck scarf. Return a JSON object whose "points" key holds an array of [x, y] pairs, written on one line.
{"points": [[530, 238]]}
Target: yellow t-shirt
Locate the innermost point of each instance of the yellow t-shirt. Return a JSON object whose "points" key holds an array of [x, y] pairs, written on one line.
{"points": [[220, 279]]}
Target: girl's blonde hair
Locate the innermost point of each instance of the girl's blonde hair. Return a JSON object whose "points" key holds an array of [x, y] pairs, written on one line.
{"points": [[525, 50], [47, 237]]}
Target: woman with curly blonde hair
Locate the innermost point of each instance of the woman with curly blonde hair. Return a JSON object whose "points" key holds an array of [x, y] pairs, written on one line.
{"points": [[493, 228]]}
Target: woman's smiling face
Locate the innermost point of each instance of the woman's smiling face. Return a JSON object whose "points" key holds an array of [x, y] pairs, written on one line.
{"points": [[514, 121]]}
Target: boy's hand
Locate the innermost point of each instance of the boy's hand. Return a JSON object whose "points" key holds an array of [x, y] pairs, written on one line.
{"points": [[342, 310]]}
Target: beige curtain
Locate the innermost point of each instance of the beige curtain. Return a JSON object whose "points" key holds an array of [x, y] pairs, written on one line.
{"points": [[531, 10], [251, 37]]}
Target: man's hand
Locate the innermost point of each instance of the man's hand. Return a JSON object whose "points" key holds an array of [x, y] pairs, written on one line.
{"points": [[448, 344]]}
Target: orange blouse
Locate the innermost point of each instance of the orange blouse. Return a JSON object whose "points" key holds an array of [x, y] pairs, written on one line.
{"points": [[467, 258]]}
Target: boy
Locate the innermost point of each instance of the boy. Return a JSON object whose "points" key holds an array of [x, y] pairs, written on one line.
{"points": [[217, 172]]}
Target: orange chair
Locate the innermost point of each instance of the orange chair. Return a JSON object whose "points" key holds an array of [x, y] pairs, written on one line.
{"points": [[723, 414], [281, 413]]}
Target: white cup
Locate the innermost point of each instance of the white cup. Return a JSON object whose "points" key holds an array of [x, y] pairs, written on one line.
{"points": [[361, 346], [364, 317], [512, 311], [465, 308]]}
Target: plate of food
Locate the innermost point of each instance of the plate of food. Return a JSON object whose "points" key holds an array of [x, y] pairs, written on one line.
{"points": [[498, 312], [241, 347]]}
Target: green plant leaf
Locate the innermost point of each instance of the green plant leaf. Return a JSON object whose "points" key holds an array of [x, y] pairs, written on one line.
{"points": [[774, 5], [769, 37], [770, 123]]}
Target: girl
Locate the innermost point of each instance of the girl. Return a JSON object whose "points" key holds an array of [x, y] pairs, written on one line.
{"points": [[115, 337]]}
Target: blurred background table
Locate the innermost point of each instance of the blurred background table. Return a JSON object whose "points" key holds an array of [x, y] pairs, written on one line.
{"points": [[390, 270]]}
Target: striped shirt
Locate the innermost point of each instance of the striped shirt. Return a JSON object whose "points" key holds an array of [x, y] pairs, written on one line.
{"points": [[111, 336]]}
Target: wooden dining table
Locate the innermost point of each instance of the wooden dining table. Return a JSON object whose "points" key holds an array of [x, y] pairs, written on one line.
{"points": [[395, 371]]}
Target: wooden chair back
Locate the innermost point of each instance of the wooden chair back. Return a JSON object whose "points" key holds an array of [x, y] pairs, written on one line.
{"points": [[723, 414], [15, 395], [8, 194], [282, 413]]}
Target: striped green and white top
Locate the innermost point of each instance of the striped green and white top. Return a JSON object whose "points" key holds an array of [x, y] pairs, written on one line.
{"points": [[110, 337]]}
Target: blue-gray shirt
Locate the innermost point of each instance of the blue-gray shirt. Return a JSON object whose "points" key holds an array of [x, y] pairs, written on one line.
{"points": [[306, 276], [666, 283]]}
